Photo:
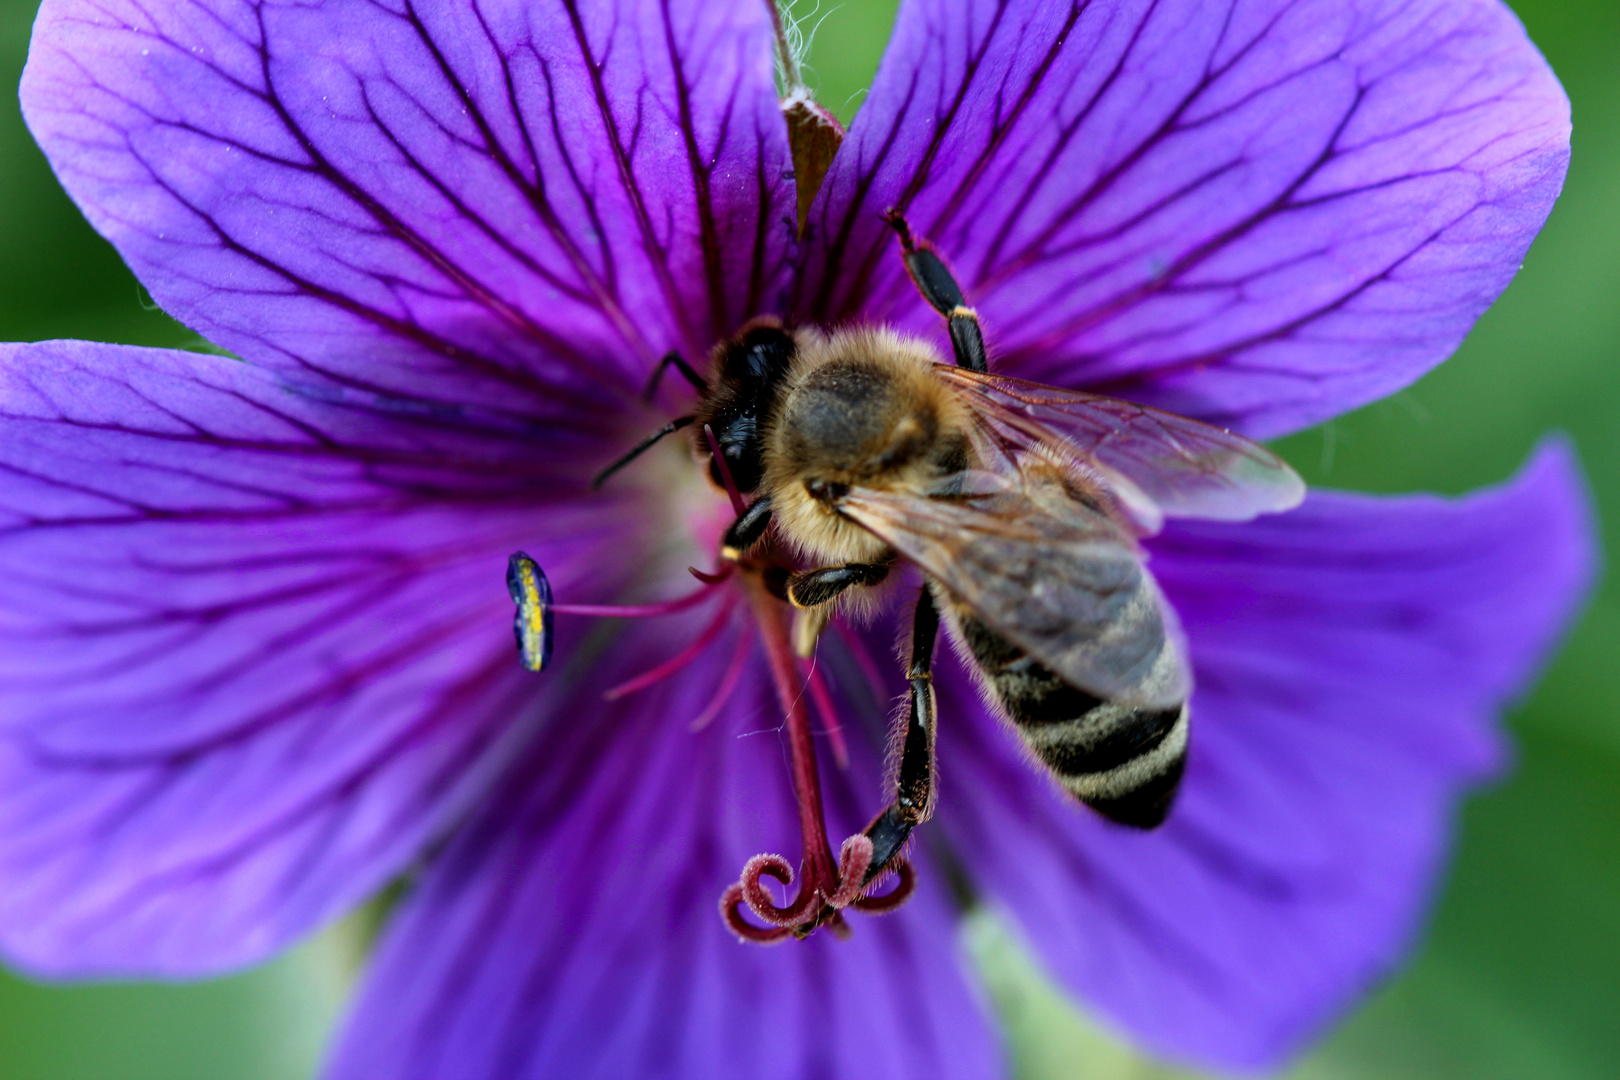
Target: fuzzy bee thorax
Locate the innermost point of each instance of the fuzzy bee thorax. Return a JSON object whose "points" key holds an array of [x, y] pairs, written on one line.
{"points": [[859, 407]]}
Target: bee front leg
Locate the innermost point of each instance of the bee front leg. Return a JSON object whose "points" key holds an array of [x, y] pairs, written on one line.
{"points": [[747, 530], [812, 592], [914, 783], [940, 289]]}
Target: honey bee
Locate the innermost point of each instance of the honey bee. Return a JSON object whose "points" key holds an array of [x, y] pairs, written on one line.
{"points": [[1022, 504]]}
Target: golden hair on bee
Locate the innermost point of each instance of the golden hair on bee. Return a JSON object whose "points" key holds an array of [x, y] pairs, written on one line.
{"points": [[864, 407], [1020, 504]]}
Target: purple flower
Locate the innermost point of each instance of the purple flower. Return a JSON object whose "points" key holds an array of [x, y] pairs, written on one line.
{"points": [[257, 659]]}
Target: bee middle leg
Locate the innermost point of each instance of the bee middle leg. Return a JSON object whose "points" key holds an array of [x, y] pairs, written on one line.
{"points": [[816, 587], [813, 591], [914, 783], [940, 289]]}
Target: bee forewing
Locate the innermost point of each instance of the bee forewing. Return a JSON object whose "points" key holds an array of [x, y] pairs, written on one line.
{"points": [[1182, 467], [1061, 582]]}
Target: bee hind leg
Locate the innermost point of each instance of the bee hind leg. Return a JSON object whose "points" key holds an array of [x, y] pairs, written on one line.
{"points": [[940, 289], [914, 781]]}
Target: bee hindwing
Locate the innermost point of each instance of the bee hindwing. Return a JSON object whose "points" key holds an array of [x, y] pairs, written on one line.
{"points": [[1051, 604]]}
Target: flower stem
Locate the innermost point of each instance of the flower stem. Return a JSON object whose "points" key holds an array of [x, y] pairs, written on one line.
{"points": [[787, 63]]}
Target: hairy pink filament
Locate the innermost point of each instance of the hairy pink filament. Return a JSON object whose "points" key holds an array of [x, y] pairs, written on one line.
{"points": [[829, 713], [680, 659], [728, 681], [639, 611]]}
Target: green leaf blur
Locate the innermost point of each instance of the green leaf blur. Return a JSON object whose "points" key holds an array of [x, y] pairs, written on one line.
{"points": [[1519, 975]]}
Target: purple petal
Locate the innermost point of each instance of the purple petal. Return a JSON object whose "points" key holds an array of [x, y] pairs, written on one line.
{"points": [[255, 649], [1261, 214], [1351, 658], [457, 202], [572, 928]]}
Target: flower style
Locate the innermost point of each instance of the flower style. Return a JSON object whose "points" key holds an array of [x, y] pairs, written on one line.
{"points": [[257, 657]]}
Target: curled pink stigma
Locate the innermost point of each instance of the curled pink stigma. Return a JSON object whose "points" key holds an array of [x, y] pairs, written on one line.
{"points": [[826, 887], [854, 857], [886, 902], [826, 884]]}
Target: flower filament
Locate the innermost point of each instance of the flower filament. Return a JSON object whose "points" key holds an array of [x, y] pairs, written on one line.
{"points": [[828, 884]]}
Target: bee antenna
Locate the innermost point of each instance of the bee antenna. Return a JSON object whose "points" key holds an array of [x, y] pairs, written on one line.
{"points": [[640, 448]]}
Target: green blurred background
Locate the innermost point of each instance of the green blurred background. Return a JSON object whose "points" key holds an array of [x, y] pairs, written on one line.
{"points": [[1519, 976]]}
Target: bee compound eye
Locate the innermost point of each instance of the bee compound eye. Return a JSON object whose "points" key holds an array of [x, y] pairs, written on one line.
{"points": [[532, 624]]}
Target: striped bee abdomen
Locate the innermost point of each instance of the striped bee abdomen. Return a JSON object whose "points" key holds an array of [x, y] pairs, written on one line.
{"points": [[1123, 762]]}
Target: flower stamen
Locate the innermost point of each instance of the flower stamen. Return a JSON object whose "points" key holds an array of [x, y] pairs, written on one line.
{"points": [[643, 611], [817, 685], [728, 682], [714, 578], [680, 659], [826, 886]]}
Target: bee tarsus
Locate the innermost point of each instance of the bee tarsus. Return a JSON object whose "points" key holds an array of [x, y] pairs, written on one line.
{"points": [[914, 780], [942, 292]]}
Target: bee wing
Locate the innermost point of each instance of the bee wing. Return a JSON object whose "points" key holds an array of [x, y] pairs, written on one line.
{"points": [[1061, 581], [1181, 467]]}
